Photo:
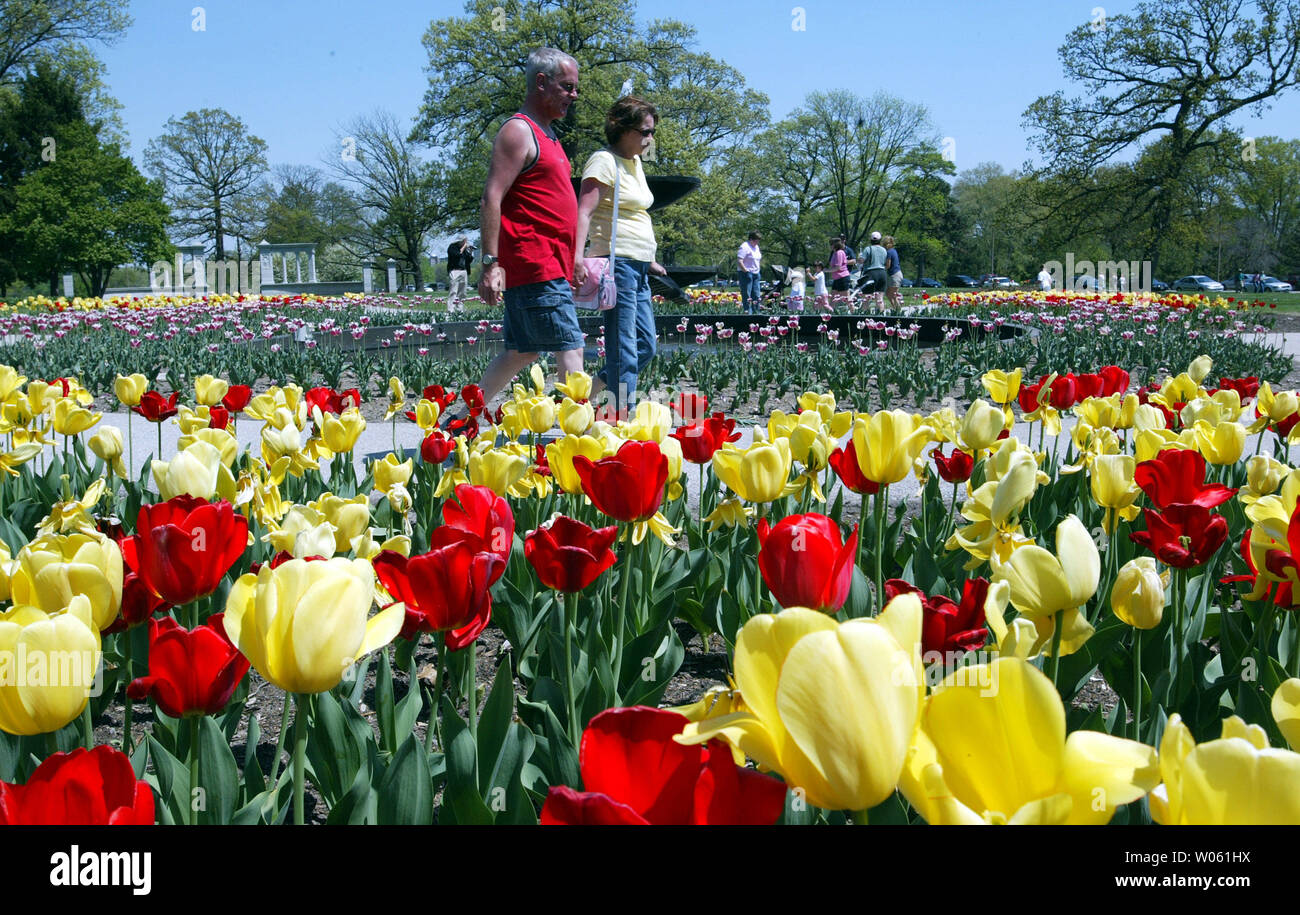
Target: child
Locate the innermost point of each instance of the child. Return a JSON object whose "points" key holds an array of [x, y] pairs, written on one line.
{"points": [[795, 276], [819, 287]]}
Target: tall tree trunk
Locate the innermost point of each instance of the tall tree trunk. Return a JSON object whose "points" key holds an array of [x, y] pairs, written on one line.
{"points": [[220, 227]]}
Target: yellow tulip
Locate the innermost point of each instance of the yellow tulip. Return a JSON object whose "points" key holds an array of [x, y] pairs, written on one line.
{"points": [[1237, 780], [1286, 710], [539, 414], [576, 386], [576, 418], [350, 518], [426, 415], [70, 419], [1148, 416], [1138, 596], [1114, 489], [196, 471], [302, 624], [758, 473], [208, 391], [192, 421], [390, 471], [221, 439], [396, 398], [1150, 442], [994, 512], [1273, 408], [106, 444], [53, 568], [1003, 387], [497, 470], [48, 660], [1044, 585], [981, 426], [560, 455], [650, 423], [130, 389], [887, 443], [730, 513], [1200, 367], [11, 381], [1263, 476], [341, 432], [845, 754], [992, 748], [945, 425], [1221, 444]]}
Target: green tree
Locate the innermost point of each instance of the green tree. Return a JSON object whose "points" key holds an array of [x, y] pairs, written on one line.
{"points": [[88, 210], [1265, 185], [399, 198], [1172, 70], [32, 29], [208, 163]]}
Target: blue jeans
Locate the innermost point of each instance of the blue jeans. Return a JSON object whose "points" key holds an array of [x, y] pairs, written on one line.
{"points": [[751, 291], [629, 331]]}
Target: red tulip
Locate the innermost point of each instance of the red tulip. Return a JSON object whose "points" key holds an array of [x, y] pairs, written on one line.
{"points": [[692, 408], [218, 417], [1088, 385], [844, 461], [1028, 397], [190, 672], [155, 408], [1182, 536], [1065, 391], [954, 469], [139, 603], [628, 486], [1114, 380], [237, 397], [438, 395], [446, 589], [806, 563], [486, 515], [1246, 387], [568, 555], [436, 447], [472, 394], [1176, 476], [83, 788], [701, 440], [332, 401], [635, 774], [948, 627], [184, 546]]}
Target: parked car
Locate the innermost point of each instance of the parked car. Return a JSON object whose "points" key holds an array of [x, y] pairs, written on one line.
{"points": [[1159, 286], [1198, 283], [999, 282], [960, 279], [409, 287], [930, 282], [1246, 283], [908, 283]]}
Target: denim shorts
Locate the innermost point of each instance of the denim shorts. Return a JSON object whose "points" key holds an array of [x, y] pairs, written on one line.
{"points": [[541, 317]]}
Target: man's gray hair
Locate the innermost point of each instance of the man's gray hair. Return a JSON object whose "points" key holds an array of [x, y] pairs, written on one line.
{"points": [[547, 61]]}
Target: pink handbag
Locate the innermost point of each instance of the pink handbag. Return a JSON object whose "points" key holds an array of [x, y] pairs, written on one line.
{"points": [[598, 292]]}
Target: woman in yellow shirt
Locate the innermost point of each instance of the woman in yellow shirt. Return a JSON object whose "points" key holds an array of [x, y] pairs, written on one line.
{"points": [[629, 325]]}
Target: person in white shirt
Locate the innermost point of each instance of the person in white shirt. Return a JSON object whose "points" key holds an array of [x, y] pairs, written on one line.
{"points": [[795, 275], [750, 259], [1044, 280], [820, 296]]}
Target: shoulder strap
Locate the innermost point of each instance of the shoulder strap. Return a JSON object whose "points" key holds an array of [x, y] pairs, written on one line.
{"points": [[532, 131], [613, 225]]}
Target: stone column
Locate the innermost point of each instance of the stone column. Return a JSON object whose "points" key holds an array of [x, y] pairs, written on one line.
{"points": [[200, 273], [268, 263], [367, 279], [311, 266], [67, 285], [297, 265], [392, 275]]}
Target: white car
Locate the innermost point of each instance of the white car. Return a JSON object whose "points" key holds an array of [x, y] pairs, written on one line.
{"points": [[1198, 283]]}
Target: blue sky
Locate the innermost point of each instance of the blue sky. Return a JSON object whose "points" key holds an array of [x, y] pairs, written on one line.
{"points": [[295, 70]]}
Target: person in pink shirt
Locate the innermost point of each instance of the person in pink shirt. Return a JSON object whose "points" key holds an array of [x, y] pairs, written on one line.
{"points": [[839, 268], [750, 258]]}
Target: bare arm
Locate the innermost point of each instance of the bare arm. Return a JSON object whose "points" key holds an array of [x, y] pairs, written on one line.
{"points": [[510, 153], [589, 196]]}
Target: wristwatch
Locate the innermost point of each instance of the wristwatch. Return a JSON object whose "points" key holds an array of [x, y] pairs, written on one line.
{"points": [[489, 260]]}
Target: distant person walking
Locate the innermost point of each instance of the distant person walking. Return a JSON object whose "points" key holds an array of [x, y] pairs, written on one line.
{"points": [[528, 219], [894, 270], [839, 268], [874, 259], [460, 257], [820, 297], [750, 259], [630, 325], [796, 277], [1045, 279]]}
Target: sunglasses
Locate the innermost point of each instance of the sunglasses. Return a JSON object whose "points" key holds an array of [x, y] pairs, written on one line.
{"points": [[647, 132]]}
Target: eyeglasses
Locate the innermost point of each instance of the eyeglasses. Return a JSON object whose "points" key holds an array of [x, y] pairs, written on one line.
{"points": [[567, 87], [647, 132]]}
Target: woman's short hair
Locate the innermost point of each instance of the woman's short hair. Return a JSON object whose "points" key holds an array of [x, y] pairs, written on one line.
{"points": [[627, 114], [888, 241], [837, 244]]}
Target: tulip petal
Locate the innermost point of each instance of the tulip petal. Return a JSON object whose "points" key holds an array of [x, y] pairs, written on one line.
{"points": [[1103, 773], [1286, 711]]}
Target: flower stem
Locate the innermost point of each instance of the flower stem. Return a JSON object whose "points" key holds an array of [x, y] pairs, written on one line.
{"points": [[128, 706], [882, 500], [620, 620], [279, 740], [1056, 644], [568, 614], [195, 722], [1137, 685], [299, 758], [435, 720]]}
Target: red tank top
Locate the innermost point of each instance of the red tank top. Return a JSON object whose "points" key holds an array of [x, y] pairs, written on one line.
{"points": [[539, 217]]}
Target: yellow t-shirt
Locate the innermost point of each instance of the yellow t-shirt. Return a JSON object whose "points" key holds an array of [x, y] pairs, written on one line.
{"points": [[636, 233]]}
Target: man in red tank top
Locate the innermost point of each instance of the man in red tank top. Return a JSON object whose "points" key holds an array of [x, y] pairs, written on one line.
{"points": [[528, 219]]}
